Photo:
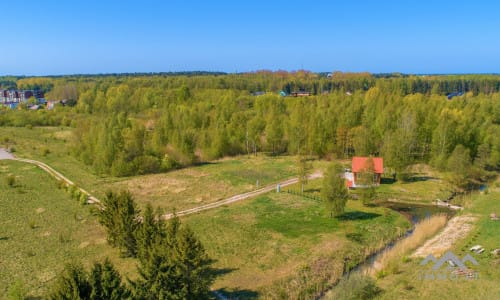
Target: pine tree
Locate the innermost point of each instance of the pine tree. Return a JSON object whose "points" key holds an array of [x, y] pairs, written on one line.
{"points": [[72, 284], [106, 282], [120, 216]]}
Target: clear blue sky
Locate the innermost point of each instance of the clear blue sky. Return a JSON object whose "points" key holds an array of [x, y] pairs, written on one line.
{"points": [[414, 36]]}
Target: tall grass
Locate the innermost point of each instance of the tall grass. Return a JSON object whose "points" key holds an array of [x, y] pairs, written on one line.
{"points": [[388, 261]]}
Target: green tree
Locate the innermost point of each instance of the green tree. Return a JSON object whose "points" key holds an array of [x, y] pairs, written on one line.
{"points": [[72, 284], [106, 282], [303, 170], [120, 217], [334, 191], [459, 164], [172, 263]]}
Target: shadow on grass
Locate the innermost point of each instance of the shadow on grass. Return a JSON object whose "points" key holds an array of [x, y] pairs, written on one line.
{"points": [[4, 238], [357, 215], [221, 271], [236, 294]]}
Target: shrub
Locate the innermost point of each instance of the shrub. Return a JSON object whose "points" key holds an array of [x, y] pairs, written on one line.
{"points": [[32, 224], [11, 180], [355, 287]]}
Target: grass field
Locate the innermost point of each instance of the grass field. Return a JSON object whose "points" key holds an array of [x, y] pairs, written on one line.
{"points": [[256, 243], [268, 238], [407, 284], [180, 189], [423, 187], [41, 228]]}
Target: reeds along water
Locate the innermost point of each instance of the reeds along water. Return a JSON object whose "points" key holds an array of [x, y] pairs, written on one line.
{"points": [[423, 230]]}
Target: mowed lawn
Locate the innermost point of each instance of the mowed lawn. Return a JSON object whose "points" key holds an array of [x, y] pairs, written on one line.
{"points": [[409, 285], [263, 240], [41, 229]]}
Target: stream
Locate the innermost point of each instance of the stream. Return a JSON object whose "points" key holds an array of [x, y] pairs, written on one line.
{"points": [[414, 213]]}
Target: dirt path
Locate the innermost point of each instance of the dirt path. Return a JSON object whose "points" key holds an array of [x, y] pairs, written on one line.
{"points": [[93, 200], [457, 228], [241, 197]]}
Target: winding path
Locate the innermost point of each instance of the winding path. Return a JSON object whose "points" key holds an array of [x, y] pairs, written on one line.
{"points": [[4, 154], [93, 200]]}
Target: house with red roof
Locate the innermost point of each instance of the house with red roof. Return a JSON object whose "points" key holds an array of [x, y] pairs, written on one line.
{"points": [[363, 166]]}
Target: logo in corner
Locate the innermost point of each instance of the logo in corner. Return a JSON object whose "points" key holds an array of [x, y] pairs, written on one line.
{"points": [[455, 265]]}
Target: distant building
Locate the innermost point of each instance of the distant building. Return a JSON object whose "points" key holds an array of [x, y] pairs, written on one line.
{"points": [[11, 98], [360, 167], [300, 94]]}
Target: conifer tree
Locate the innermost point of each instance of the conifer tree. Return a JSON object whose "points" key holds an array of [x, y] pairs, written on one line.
{"points": [[106, 282], [72, 284]]}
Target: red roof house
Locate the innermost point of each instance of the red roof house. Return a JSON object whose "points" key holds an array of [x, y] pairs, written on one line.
{"points": [[361, 166]]}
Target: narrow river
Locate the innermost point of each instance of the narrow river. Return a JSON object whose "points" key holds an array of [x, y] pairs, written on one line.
{"points": [[414, 213]]}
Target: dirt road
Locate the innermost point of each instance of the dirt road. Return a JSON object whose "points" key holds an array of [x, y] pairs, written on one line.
{"points": [[6, 155], [241, 197], [93, 200]]}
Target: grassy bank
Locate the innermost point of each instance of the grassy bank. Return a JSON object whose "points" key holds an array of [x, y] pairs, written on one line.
{"points": [[41, 228]]}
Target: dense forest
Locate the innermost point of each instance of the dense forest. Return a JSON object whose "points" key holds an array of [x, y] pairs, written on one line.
{"points": [[137, 124]]}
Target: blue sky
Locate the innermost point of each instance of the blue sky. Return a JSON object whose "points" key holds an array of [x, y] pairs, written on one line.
{"points": [[68, 37]]}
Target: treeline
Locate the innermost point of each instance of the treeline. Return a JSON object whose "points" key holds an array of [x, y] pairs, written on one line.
{"points": [[316, 83], [128, 125]]}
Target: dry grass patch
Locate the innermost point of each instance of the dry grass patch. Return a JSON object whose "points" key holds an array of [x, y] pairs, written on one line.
{"points": [[456, 229], [389, 260]]}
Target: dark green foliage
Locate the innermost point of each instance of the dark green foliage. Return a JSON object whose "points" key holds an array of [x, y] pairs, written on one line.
{"points": [[120, 217], [72, 284], [106, 283], [103, 282], [334, 191], [172, 262], [10, 180]]}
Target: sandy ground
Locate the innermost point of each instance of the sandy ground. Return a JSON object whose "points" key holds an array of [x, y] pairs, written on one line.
{"points": [[457, 228]]}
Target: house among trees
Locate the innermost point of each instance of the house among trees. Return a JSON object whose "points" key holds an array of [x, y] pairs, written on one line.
{"points": [[366, 171], [12, 98]]}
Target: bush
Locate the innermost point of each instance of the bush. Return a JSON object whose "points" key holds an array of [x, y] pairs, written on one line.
{"points": [[11, 180], [355, 287]]}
